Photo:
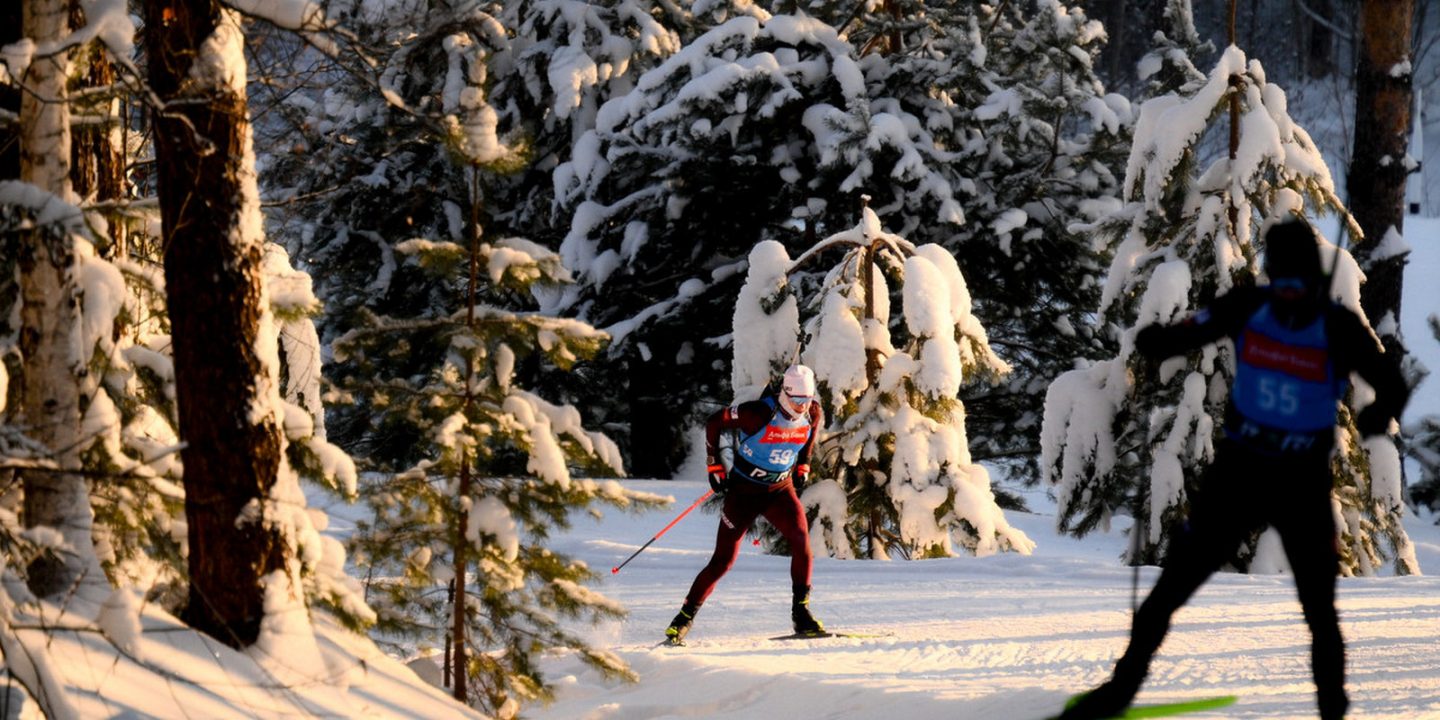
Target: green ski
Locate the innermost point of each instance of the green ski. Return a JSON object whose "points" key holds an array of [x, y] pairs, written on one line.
{"points": [[1179, 708], [1158, 710]]}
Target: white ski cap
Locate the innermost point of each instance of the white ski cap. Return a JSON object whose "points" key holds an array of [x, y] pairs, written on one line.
{"points": [[799, 382]]}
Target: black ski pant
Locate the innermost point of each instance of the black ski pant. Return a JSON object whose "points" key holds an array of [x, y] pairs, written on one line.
{"points": [[1241, 492]]}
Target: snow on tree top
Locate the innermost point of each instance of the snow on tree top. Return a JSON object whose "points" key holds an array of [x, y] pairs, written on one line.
{"points": [[1168, 126]]}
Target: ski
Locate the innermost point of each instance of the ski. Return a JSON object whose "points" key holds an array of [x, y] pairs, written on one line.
{"points": [[671, 642], [826, 634], [1179, 708], [1159, 710]]}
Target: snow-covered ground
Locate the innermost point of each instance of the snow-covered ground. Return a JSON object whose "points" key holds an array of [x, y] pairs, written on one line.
{"points": [[996, 638], [171, 671], [999, 637]]}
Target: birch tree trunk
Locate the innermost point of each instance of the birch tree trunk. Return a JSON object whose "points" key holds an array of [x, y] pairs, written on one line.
{"points": [[54, 364], [213, 273], [1383, 99]]}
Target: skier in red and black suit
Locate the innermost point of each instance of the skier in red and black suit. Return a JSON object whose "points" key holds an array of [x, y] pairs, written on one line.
{"points": [[1295, 350], [772, 441]]}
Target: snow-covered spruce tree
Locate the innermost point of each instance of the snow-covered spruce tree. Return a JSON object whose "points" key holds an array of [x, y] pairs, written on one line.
{"points": [[1038, 147], [1169, 65], [744, 117], [717, 148], [130, 440], [370, 168], [551, 64], [434, 345], [893, 471], [564, 60], [1121, 427], [489, 457]]}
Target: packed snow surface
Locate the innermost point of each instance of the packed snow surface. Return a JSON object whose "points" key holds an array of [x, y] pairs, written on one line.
{"points": [[1005, 636], [998, 637]]}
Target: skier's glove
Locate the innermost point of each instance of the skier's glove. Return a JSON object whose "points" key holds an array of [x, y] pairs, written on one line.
{"points": [[802, 476], [716, 477], [1147, 341], [1372, 421]]}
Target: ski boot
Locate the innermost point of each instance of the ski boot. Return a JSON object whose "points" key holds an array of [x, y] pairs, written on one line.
{"points": [[680, 626], [805, 623]]}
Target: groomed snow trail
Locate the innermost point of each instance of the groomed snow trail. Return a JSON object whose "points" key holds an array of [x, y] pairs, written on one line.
{"points": [[998, 637]]}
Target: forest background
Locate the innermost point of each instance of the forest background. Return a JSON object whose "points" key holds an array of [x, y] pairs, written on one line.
{"points": [[518, 238]]}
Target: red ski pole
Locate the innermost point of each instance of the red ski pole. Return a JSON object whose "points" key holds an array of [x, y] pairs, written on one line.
{"points": [[693, 505]]}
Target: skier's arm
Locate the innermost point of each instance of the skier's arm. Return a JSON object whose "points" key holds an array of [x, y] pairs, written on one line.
{"points": [[1224, 317], [1357, 350], [718, 422], [745, 417], [802, 463]]}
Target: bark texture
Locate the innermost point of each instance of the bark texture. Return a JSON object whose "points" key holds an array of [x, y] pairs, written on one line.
{"points": [[1383, 100], [214, 285], [53, 366], [97, 156]]}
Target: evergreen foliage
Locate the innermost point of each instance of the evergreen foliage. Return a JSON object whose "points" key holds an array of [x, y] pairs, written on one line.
{"points": [[790, 122], [563, 61], [1038, 147], [893, 471], [1169, 65], [1424, 448], [1122, 426], [465, 405], [435, 341], [678, 180]]}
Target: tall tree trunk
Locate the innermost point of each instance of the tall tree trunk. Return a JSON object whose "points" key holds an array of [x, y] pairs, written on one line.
{"points": [[1318, 38], [11, 20], [1233, 210], [1383, 99], [54, 362], [1116, 50], [458, 635], [459, 663], [213, 252], [97, 169]]}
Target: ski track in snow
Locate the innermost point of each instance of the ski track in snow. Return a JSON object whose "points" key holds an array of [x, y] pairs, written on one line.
{"points": [[994, 638], [998, 637]]}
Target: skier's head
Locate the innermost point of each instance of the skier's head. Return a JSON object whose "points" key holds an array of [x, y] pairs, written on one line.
{"points": [[797, 390], [1292, 262]]}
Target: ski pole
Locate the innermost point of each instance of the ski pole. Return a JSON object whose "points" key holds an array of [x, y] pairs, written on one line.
{"points": [[1335, 259], [693, 505], [1135, 549]]}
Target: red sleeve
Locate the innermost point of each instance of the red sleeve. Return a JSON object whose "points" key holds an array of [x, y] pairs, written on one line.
{"points": [[746, 417], [817, 421]]}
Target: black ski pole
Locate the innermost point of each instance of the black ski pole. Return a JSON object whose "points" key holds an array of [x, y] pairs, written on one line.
{"points": [[1135, 547], [693, 505], [1335, 257]]}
